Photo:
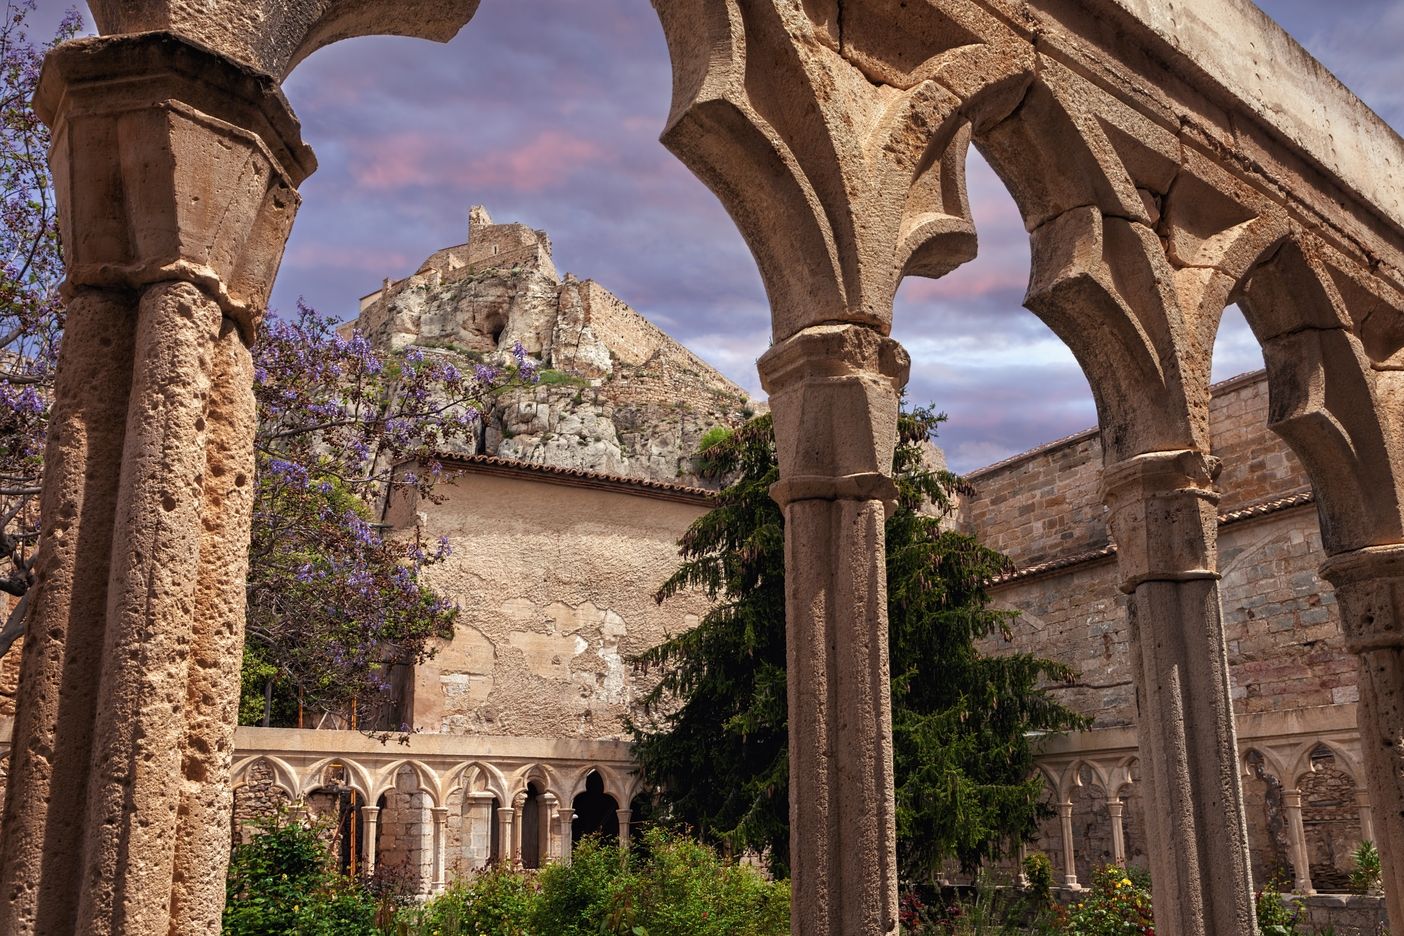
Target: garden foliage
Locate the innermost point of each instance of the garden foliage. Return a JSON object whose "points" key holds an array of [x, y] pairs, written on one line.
{"points": [[281, 883], [667, 886]]}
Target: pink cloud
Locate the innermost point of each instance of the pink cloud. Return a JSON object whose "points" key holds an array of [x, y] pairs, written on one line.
{"points": [[316, 255], [547, 158], [418, 159], [965, 284]]}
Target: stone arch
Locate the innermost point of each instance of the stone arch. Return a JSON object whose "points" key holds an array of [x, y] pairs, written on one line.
{"points": [[1333, 395], [389, 777], [476, 790], [349, 771], [1311, 755], [1092, 822], [595, 808], [262, 788], [614, 785], [282, 773], [1126, 781], [475, 776], [1330, 817]]}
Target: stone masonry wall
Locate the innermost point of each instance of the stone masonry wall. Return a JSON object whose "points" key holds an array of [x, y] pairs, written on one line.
{"points": [[1285, 645], [1047, 504]]}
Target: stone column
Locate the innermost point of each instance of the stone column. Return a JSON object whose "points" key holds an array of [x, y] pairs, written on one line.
{"points": [[565, 816], [176, 172], [518, 808], [505, 816], [1369, 586], [1162, 512], [440, 847], [1065, 811], [1296, 840], [833, 392], [1367, 817], [1115, 809], [624, 816], [371, 815], [546, 808]]}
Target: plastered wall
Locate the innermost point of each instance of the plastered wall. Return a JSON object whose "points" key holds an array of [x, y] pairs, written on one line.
{"points": [[556, 588]]}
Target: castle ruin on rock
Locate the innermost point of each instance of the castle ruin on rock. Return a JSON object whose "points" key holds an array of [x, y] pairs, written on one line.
{"points": [[617, 396]]}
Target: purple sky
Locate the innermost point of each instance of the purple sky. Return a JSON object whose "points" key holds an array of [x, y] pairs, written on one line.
{"points": [[548, 112]]}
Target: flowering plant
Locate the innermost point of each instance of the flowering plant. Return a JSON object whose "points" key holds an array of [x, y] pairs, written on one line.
{"points": [[31, 313], [1115, 906], [334, 603]]}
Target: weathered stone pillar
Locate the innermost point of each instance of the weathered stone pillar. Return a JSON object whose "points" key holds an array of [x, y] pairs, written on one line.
{"points": [[833, 392], [518, 810], [176, 172], [1163, 515], [505, 815], [1367, 817], [547, 837], [1115, 809], [1369, 586], [624, 816], [440, 814], [1065, 811], [371, 815], [565, 816], [1297, 843]]}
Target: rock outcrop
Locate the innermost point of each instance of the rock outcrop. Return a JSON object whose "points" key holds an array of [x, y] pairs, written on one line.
{"points": [[616, 395]]}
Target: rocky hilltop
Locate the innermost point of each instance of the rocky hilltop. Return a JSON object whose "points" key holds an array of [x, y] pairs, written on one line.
{"points": [[617, 394]]}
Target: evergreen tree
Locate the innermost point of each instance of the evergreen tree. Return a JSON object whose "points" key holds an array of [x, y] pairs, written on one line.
{"points": [[714, 737]]}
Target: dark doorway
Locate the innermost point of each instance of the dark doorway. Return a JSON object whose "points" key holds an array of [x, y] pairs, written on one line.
{"points": [[531, 828], [595, 811]]}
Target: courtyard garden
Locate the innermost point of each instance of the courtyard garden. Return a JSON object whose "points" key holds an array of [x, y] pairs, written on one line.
{"points": [[283, 881]]}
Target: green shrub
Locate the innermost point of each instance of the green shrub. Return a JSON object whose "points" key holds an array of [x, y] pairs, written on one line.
{"points": [[281, 882], [1365, 876], [497, 902], [1038, 870], [1275, 916], [710, 440], [1115, 906], [669, 886]]}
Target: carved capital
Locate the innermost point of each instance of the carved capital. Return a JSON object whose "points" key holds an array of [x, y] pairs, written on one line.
{"points": [[1162, 512], [171, 162], [1369, 586], [833, 395]]}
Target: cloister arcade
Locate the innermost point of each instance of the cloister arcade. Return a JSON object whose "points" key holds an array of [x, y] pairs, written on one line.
{"points": [[1304, 788], [1167, 160], [431, 817]]}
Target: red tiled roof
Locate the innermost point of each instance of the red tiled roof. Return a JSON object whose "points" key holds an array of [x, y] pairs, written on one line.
{"points": [[576, 477], [1299, 499]]}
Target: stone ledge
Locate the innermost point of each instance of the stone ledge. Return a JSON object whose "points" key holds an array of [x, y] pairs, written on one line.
{"points": [[1238, 47]]}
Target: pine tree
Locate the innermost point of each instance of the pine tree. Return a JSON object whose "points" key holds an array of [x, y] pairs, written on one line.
{"points": [[714, 733]]}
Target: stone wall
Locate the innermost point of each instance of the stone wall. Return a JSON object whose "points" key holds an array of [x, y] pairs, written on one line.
{"points": [[1282, 626], [555, 574], [1342, 915], [1046, 504]]}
